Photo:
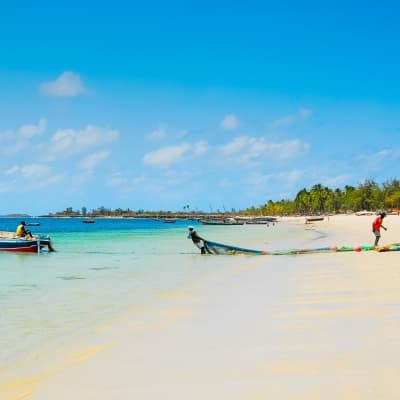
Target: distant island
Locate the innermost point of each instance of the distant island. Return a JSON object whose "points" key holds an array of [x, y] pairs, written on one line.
{"points": [[15, 216]]}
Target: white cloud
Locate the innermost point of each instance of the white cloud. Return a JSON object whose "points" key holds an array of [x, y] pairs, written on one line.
{"points": [[230, 122], [68, 84], [174, 154], [246, 149], [290, 148], [14, 148], [14, 142], [90, 162], [243, 143], [69, 141], [29, 131], [284, 121], [257, 179], [377, 160], [293, 176], [32, 170], [200, 148], [301, 114], [287, 177], [156, 183], [337, 180], [29, 170], [166, 156], [378, 156], [117, 179], [158, 133], [11, 171], [49, 180]]}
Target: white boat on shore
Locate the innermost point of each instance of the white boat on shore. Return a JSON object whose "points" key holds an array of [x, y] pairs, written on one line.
{"points": [[364, 213], [169, 220]]}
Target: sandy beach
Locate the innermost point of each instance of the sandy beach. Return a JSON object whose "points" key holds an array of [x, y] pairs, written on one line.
{"points": [[313, 326]]}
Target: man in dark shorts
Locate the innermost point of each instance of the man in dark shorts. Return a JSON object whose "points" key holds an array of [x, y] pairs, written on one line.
{"points": [[376, 227], [198, 240]]}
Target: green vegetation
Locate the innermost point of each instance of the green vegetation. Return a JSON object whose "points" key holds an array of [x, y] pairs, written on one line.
{"points": [[320, 199]]}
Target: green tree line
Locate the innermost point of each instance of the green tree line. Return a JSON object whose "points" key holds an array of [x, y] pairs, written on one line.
{"points": [[369, 196]]}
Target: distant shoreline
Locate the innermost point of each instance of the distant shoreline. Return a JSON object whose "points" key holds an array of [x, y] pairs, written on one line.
{"points": [[188, 216]]}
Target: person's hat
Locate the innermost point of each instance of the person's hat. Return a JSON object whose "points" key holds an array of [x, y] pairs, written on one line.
{"points": [[190, 228]]}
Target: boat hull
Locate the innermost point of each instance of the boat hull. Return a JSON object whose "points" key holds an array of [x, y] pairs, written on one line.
{"points": [[309, 220], [24, 245]]}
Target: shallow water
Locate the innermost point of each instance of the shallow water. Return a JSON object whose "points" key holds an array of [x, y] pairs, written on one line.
{"points": [[103, 272]]}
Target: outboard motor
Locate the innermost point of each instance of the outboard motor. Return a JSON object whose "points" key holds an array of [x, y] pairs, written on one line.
{"points": [[45, 241]]}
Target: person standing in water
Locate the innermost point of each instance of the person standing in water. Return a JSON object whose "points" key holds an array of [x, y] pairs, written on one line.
{"points": [[197, 240], [377, 225]]}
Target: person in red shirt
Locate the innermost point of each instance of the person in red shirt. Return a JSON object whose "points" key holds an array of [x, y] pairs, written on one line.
{"points": [[376, 227]]}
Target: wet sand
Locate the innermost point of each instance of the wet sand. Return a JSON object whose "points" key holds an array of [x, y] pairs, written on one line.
{"points": [[315, 326]]}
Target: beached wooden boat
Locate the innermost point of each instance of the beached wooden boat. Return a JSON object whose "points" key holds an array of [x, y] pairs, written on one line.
{"points": [[314, 219], [10, 243], [261, 220], [221, 221]]}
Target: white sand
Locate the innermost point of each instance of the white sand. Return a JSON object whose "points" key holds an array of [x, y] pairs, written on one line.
{"points": [[316, 326]]}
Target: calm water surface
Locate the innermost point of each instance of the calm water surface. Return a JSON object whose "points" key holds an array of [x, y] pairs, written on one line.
{"points": [[101, 272]]}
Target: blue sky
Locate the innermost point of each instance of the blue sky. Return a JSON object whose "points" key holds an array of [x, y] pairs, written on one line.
{"points": [[215, 105]]}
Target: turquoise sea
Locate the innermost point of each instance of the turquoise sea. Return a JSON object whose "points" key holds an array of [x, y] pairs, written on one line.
{"points": [[104, 271]]}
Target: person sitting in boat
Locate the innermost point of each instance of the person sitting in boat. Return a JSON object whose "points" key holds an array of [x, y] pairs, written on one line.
{"points": [[22, 232], [198, 240]]}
